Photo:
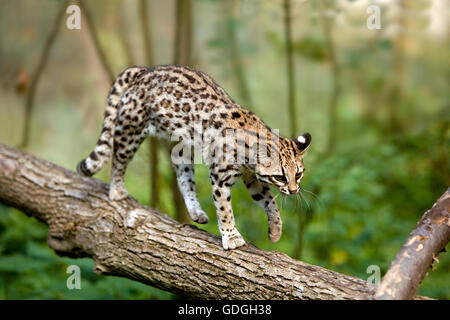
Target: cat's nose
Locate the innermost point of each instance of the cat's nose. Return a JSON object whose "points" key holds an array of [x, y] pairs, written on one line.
{"points": [[293, 191]]}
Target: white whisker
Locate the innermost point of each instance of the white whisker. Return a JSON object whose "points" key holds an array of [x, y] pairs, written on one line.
{"points": [[306, 201], [299, 200], [311, 193], [319, 201]]}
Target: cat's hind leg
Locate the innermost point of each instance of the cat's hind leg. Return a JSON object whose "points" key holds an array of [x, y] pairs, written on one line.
{"points": [[128, 136]]}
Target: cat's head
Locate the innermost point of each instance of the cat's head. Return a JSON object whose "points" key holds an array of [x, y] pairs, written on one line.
{"points": [[287, 172]]}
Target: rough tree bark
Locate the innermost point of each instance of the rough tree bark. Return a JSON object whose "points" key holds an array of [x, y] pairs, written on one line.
{"points": [[127, 239], [418, 253]]}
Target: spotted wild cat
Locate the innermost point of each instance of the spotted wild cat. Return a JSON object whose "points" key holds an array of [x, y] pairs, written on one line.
{"points": [[192, 111]]}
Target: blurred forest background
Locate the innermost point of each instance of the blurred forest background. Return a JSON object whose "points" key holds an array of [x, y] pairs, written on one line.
{"points": [[376, 102]]}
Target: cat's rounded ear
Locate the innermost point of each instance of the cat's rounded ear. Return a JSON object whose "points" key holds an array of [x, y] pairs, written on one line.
{"points": [[303, 141]]}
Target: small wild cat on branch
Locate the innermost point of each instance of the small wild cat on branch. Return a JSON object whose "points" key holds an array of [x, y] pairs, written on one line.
{"points": [[173, 102]]}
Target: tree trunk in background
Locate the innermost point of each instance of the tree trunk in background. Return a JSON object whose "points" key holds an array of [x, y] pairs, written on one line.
{"points": [[369, 98], [335, 75], [122, 33], [292, 112], [234, 54], [290, 69], [304, 217], [152, 141], [395, 90], [395, 87], [146, 35], [183, 33], [182, 56], [98, 47], [29, 102]]}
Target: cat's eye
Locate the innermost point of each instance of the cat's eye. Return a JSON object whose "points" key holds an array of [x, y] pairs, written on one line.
{"points": [[298, 175], [279, 178]]}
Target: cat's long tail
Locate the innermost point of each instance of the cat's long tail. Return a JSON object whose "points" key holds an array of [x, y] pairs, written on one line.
{"points": [[103, 149]]}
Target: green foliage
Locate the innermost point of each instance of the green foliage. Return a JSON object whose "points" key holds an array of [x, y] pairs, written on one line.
{"points": [[370, 201], [311, 48], [307, 47]]}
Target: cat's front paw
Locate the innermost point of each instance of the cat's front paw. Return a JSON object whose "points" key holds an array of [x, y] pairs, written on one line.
{"points": [[233, 241], [116, 194], [198, 215], [275, 230]]}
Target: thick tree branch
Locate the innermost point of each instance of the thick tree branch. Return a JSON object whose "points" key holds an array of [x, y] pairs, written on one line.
{"points": [[127, 239], [418, 253]]}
